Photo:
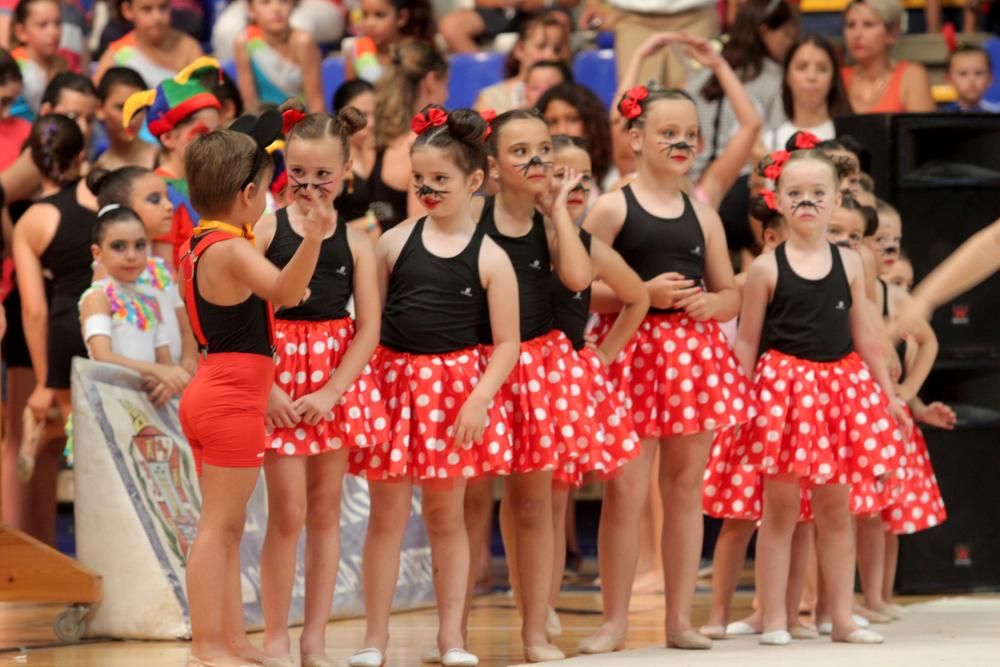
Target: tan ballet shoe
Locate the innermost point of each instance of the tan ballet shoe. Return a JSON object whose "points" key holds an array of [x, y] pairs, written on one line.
{"points": [[431, 656], [553, 626], [318, 660], [714, 631], [198, 662], [803, 632], [600, 643], [871, 615], [895, 612], [688, 640], [543, 653], [284, 661]]}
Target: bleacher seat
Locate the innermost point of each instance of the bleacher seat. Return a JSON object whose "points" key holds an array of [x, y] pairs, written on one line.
{"points": [[471, 72], [333, 76], [597, 70], [992, 46], [229, 67]]}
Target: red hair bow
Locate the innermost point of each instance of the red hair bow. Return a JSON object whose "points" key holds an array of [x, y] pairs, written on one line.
{"points": [[289, 119], [630, 106], [806, 140], [489, 115], [778, 160], [424, 121], [769, 199]]}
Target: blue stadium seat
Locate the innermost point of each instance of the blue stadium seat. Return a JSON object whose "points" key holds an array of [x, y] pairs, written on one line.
{"points": [[229, 67], [992, 46], [471, 72], [333, 76], [597, 71]]}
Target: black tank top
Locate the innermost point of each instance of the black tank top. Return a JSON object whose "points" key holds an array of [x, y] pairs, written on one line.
{"points": [[353, 201], [240, 328], [435, 304], [533, 266], [67, 256], [333, 281], [387, 203], [810, 319], [571, 310], [652, 245]]}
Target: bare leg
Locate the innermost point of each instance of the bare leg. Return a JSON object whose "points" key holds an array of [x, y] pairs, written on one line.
{"points": [[727, 564], [225, 492], [649, 569], [286, 515], [233, 626], [16, 499], [569, 525], [682, 468], [835, 547], [801, 540], [617, 538], [478, 515], [871, 560], [891, 561], [774, 545], [390, 510], [810, 588], [508, 533], [444, 518], [560, 502], [325, 477]]}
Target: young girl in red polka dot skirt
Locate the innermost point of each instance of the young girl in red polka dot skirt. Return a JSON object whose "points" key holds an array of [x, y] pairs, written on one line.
{"points": [[822, 412], [442, 281], [324, 401], [678, 373]]}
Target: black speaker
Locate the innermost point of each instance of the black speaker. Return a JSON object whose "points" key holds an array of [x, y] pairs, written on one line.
{"points": [[942, 171], [962, 554]]}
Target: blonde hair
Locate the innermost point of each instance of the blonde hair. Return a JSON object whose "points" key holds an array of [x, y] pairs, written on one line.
{"points": [[890, 11], [216, 165], [396, 91]]}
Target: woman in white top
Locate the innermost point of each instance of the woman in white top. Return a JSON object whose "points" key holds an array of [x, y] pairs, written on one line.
{"points": [[812, 92]]}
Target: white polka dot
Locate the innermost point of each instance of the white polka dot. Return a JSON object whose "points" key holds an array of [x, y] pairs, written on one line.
{"points": [[291, 348], [300, 377], [300, 434], [423, 400], [289, 448], [285, 377], [436, 416]]}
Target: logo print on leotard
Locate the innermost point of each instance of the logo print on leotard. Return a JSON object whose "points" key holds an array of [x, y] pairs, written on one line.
{"points": [[342, 271], [841, 305], [537, 265], [466, 292], [696, 251]]}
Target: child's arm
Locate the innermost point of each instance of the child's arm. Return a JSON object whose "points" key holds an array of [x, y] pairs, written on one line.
{"points": [[31, 235], [756, 294], [936, 414], [314, 407], [21, 179], [569, 257], [653, 45], [628, 289], [244, 74], [501, 292], [189, 346], [309, 58], [927, 348], [722, 301]]}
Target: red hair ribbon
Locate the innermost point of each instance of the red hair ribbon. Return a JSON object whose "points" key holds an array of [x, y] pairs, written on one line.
{"points": [[630, 106], [289, 119], [769, 199], [806, 140], [424, 121], [489, 115], [778, 160]]}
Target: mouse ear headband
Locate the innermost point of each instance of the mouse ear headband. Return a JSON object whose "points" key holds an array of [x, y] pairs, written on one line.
{"points": [[264, 130]]}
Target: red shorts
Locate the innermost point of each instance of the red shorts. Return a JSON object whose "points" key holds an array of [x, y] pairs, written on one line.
{"points": [[222, 410]]}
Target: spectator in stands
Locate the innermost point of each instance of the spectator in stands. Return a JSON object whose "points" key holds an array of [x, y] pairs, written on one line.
{"points": [[152, 48], [274, 61], [875, 84], [541, 76], [544, 37], [417, 77], [13, 131], [353, 201], [573, 110], [758, 42], [386, 25], [37, 32], [187, 16], [812, 92], [124, 147], [323, 19], [971, 74], [635, 21], [463, 29]]}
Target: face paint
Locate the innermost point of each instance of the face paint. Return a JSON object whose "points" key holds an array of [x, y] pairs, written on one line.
{"points": [[197, 130], [843, 244], [428, 191], [323, 189], [679, 147], [535, 161], [816, 206]]}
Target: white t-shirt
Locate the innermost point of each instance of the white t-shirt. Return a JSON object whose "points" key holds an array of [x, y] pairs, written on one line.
{"points": [[159, 281], [775, 139], [660, 6], [134, 325]]}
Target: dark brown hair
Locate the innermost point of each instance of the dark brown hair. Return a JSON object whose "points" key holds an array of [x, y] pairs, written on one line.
{"points": [[114, 187], [654, 95], [55, 143], [506, 117], [216, 165], [595, 121], [836, 97], [512, 67], [340, 126], [463, 137]]}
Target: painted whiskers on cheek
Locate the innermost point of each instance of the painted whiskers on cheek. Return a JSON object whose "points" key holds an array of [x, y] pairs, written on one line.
{"points": [[535, 161], [323, 189], [681, 147], [428, 191], [816, 206]]}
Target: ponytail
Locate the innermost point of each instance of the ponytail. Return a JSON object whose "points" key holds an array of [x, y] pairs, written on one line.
{"points": [[55, 145]]}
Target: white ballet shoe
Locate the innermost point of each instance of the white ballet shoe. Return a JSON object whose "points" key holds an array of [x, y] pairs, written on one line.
{"points": [[367, 657], [741, 628], [431, 656], [898, 610], [803, 632], [862, 637], [895, 612], [458, 657], [775, 638], [860, 621], [825, 629]]}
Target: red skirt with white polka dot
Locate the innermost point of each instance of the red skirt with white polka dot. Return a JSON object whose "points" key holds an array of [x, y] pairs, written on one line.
{"points": [[307, 354], [545, 397], [612, 441], [423, 394], [919, 505], [824, 421], [679, 376]]}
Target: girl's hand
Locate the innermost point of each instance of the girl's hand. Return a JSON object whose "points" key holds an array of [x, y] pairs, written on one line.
{"points": [[280, 412], [701, 50], [555, 199], [175, 378], [904, 392], [902, 419], [666, 289], [656, 43], [471, 422], [937, 414], [318, 222], [40, 402], [313, 408], [700, 306], [159, 393]]}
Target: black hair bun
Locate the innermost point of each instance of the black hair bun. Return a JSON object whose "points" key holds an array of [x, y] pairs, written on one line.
{"points": [[467, 126], [352, 119]]}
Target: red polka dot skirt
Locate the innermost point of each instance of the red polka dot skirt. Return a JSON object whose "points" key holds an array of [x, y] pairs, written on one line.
{"points": [[307, 354], [824, 421], [423, 394], [919, 505], [679, 376], [611, 441], [735, 490], [546, 398]]}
